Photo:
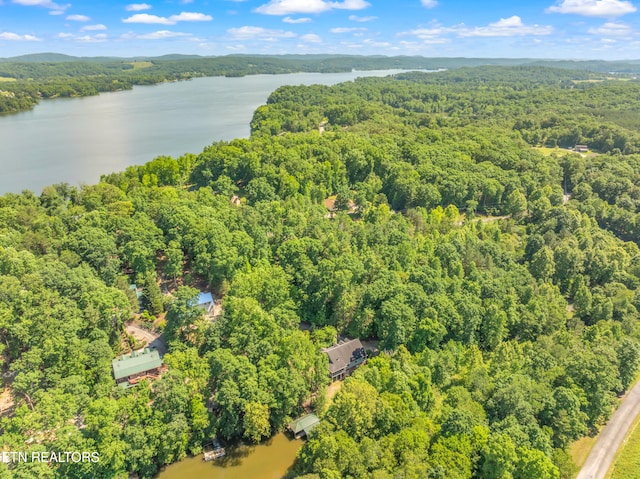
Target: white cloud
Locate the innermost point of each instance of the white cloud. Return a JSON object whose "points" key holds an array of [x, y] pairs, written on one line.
{"points": [[78, 18], [288, 7], [255, 33], [429, 3], [296, 20], [593, 8], [376, 44], [146, 18], [159, 35], [42, 3], [162, 34], [433, 31], [346, 29], [137, 7], [93, 28], [311, 38], [507, 27], [190, 17], [172, 20], [350, 5], [99, 38], [426, 41], [18, 38], [612, 28], [356, 18], [436, 41]]}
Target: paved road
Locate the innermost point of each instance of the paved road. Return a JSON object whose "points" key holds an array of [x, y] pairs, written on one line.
{"points": [[611, 437]]}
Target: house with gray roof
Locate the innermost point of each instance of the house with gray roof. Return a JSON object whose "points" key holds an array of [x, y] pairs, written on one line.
{"points": [[344, 358]]}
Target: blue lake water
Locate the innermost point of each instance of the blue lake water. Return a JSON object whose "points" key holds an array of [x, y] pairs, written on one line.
{"points": [[75, 140]]}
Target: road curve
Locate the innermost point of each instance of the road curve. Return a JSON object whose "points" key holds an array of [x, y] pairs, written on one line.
{"points": [[604, 451]]}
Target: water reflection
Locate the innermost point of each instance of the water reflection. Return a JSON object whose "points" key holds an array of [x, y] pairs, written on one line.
{"points": [[76, 140], [273, 459]]}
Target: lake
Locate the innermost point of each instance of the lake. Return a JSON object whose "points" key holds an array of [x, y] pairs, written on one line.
{"points": [[270, 460], [75, 140]]}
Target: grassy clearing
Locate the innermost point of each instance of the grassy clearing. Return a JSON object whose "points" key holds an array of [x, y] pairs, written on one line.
{"points": [[7, 79], [580, 449], [141, 65], [600, 81], [551, 151]]}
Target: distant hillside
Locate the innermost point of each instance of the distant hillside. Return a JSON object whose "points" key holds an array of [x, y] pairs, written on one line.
{"points": [[174, 56], [41, 57], [50, 57], [329, 62]]}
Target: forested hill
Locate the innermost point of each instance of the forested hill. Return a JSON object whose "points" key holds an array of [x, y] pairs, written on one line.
{"points": [[25, 80], [432, 213]]}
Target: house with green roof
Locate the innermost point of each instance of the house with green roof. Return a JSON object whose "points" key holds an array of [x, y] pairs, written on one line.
{"points": [[303, 425], [129, 369]]}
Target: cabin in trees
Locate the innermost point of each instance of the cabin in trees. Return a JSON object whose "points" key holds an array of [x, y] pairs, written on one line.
{"points": [[580, 148], [303, 426], [344, 358], [206, 302], [129, 369]]}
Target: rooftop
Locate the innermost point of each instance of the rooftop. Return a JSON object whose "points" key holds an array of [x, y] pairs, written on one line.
{"points": [[135, 363], [344, 353], [204, 298], [304, 423]]}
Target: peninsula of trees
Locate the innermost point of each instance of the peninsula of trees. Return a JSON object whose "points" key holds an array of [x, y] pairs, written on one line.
{"points": [[26, 79], [443, 215]]}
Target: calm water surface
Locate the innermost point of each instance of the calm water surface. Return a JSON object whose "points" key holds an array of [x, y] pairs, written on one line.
{"points": [[265, 461], [77, 139]]}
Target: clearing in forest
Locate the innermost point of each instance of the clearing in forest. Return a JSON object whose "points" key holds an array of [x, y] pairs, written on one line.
{"points": [[140, 65]]}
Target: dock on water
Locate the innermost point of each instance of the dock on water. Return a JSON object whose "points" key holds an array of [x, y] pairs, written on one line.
{"points": [[216, 452]]}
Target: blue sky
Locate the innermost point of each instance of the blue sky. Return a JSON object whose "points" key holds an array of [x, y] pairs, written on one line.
{"points": [[602, 29]]}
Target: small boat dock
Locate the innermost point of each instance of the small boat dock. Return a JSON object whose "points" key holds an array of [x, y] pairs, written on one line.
{"points": [[216, 452], [302, 426]]}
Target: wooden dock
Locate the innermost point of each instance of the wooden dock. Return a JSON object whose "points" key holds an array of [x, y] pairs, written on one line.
{"points": [[216, 453]]}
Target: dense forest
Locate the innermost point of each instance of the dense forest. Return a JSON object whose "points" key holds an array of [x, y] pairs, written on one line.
{"points": [[443, 215], [27, 79]]}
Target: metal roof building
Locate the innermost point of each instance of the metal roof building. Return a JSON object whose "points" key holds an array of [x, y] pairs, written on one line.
{"points": [[205, 301], [304, 425], [130, 368]]}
